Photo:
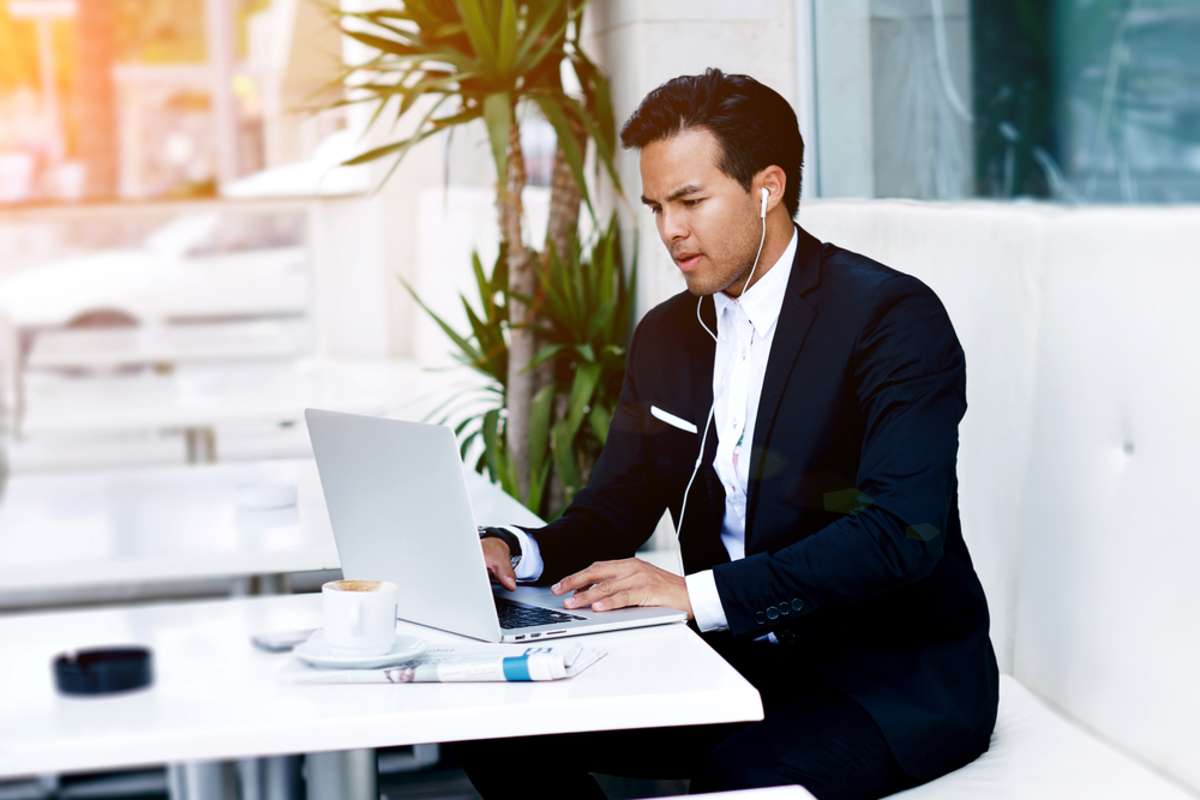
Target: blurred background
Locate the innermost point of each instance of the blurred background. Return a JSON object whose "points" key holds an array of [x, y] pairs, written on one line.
{"points": [[173, 164], [187, 261]]}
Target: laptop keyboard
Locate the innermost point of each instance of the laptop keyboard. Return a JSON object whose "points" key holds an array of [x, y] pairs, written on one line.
{"points": [[521, 615]]}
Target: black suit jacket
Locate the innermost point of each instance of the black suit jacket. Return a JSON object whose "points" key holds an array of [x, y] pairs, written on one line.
{"points": [[854, 553]]}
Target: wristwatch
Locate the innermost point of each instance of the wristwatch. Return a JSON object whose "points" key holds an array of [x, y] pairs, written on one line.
{"points": [[509, 538]]}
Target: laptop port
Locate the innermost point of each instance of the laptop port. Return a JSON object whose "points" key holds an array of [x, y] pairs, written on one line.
{"points": [[519, 638], [554, 633], [534, 635]]}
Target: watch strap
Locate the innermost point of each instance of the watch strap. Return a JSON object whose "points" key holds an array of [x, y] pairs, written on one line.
{"points": [[508, 537]]}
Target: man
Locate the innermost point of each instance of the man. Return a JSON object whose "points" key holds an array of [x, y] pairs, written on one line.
{"points": [[820, 538]]}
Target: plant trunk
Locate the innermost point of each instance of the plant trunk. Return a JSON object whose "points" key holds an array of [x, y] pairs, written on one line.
{"points": [[556, 492], [565, 198], [519, 388]]}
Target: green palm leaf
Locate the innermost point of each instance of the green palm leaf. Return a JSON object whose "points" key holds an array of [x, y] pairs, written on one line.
{"points": [[489, 61]]}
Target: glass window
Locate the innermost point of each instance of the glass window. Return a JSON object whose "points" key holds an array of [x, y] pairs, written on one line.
{"points": [[155, 99], [1071, 100]]}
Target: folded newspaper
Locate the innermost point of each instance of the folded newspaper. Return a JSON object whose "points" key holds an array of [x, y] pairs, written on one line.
{"points": [[463, 664]]}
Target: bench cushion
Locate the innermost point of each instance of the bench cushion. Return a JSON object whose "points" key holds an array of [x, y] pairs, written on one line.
{"points": [[1036, 752]]}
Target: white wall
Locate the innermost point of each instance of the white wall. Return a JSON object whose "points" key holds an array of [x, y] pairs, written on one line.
{"points": [[365, 244], [453, 222]]}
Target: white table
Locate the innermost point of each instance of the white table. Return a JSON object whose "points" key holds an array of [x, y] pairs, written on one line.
{"points": [[197, 400], [163, 345], [216, 697], [182, 522]]}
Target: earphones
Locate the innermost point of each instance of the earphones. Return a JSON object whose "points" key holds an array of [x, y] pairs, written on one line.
{"points": [[762, 216]]}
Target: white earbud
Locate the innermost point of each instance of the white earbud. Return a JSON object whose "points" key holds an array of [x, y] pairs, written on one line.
{"points": [[762, 209]]}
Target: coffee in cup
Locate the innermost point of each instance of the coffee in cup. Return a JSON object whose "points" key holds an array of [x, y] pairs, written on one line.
{"points": [[359, 616]]}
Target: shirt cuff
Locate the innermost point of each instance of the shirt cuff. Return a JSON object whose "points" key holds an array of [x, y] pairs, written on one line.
{"points": [[706, 603], [530, 567]]}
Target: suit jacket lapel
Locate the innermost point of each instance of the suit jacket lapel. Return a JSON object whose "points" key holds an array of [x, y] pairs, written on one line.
{"points": [[795, 318], [701, 353]]}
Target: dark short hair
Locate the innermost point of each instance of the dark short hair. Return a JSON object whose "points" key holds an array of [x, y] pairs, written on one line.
{"points": [[754, 124]]}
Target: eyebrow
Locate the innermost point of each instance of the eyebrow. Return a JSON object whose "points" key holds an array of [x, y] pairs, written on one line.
{"points": [[675, 195]]}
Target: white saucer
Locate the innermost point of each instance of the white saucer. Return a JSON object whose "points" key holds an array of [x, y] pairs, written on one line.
{"points": [[315, 651]]}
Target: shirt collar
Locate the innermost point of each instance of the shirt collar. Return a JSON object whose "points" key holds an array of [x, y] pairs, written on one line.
{"points": [[763, 301]]}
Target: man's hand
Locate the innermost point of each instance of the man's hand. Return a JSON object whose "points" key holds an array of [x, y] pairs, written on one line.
{"points": [[498, 559], [606, 585]]}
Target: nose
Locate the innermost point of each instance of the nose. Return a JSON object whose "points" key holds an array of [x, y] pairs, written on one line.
{"points": [[671, 226]]}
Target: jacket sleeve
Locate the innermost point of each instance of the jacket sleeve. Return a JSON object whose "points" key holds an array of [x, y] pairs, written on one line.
{"points": [[618, 509], [910, 385]]}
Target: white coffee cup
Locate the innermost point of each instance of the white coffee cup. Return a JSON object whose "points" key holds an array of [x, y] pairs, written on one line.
{"points": [[359, 616]]}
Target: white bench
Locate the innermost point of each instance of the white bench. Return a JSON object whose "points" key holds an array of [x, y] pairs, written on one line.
{"points": [[1078, 469]]}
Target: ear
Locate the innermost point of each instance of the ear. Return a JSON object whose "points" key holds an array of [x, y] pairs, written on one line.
{"points": [[774, 180]]}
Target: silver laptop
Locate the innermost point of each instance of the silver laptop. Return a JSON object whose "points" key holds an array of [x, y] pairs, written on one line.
{"points": [[397, 500]]}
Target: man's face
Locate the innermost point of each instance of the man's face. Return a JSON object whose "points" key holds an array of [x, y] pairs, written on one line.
{"points": [[708, 222]]}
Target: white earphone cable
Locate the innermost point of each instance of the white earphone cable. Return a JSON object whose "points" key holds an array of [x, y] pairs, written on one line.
{"points": [[711, 409], [695, 469], [762, 238]]}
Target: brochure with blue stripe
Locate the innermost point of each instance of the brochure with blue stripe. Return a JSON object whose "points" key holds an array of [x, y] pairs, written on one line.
{"points": [[470, 663]]}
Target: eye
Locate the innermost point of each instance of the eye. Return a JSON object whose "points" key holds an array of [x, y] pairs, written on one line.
{"points": [[655, 210], [693, 202]]}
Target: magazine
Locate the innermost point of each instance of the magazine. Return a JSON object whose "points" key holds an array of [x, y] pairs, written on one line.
{"points": [[459, 663]]}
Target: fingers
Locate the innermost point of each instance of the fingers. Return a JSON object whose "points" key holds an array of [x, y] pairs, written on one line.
{"points": [[585, 577], [593, 574], [499, 565], [503, 572], [614, 593], [609, 585], [620, 599]]}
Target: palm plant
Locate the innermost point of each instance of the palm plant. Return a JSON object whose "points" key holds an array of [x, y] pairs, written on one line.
{"points": [[488, 60], [584, 319]]}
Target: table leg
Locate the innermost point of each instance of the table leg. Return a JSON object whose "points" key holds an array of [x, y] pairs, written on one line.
{"points": [[271, 778], [200, 445], [256, 585], [202, 780], [346, 774], [208, 440], [274, 583], [282, 775], [191, 445]]}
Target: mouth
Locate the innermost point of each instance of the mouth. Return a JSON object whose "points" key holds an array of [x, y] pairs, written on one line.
{"points": [[688, 261]]}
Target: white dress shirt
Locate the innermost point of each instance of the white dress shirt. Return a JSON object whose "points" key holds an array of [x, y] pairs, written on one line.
{"points": [[745, 328]]}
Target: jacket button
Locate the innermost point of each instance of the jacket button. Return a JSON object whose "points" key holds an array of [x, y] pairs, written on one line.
{"points": [[760, 617], [772, 612], [797, 605], [783, 609]]}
